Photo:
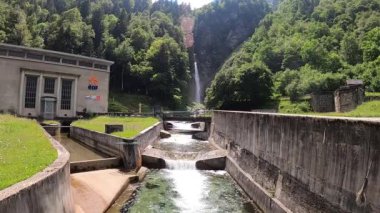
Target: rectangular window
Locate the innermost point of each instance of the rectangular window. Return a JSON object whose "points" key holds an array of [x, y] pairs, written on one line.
{"points": [[69, 61], [34, 56], [16, 54], [66, 94], [3, 52], [85, 64], [49, 86], [31, 91], [52, 59], [101, 66]]}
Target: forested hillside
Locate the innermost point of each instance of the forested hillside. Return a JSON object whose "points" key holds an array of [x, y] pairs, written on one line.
{"points": [[305, 46], [220, 28], [144, 39]]}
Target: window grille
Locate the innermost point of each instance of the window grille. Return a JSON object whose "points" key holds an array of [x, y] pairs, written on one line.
{"points": [[31, 91], [49, 85], [66, 94]]}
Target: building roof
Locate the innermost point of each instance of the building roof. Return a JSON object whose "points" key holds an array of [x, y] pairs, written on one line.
{"points": [[5, 48], [354, 82]]}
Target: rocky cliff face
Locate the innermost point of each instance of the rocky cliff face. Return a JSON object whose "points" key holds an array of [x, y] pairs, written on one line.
{"points": [[219, 29]]}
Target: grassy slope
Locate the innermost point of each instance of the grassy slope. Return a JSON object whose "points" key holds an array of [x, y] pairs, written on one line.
{"points": [[24, 150], [132, 125], [367, 109], [120, 102]]}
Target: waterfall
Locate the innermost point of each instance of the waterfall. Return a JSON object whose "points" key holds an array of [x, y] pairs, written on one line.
{"points": [[180, 164], [197, 84]]}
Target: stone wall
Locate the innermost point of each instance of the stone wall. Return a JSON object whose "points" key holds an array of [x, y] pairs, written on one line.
{"points": [[128, 149], [47, 191], [348, 98], [323, 102], [302, 164]]}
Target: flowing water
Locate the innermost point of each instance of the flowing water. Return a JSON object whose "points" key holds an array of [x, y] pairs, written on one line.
{"points": [[184, 189], [78, 152], [197, 84]]}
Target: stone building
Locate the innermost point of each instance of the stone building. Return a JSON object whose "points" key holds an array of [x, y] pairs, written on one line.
{"points": [[323, 101], [347, 98], [50, 84]]}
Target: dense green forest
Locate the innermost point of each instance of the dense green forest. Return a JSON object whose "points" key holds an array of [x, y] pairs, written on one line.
{"points": [[143, 39], [258, 49], [304, 46]]}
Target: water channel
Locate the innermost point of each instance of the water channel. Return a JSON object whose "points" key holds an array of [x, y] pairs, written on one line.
{"points": [[78, 151], [181, 187]]}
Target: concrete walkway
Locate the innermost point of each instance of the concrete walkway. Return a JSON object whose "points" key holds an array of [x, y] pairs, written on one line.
{"points": [[95, 191]]}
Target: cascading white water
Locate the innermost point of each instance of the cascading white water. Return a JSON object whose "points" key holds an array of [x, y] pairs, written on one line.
{"points": [[197, 84], [190, 184], [180, 164]]}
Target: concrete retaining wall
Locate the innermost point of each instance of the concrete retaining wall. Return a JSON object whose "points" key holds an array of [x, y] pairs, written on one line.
{"points": [[127, 149], [47, 191], [305, 164], [98, 164]]}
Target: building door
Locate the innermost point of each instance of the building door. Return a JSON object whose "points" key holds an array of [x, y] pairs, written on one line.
{"points": [[48, 107]]}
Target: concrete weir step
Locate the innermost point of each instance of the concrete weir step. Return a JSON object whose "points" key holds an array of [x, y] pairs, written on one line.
{"points": [[213, 160], [96, 191]]}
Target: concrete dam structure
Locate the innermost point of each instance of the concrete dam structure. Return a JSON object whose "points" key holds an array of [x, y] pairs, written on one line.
{"points": [[289, 163]]}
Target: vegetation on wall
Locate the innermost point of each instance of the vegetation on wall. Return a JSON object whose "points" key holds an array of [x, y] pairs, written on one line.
{"points": [[312, 45]]}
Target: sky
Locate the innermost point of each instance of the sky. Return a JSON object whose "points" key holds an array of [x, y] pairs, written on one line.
{"points": [[194, 3]]}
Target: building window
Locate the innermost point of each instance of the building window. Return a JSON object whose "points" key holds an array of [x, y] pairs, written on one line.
{"points": [[66, 94], [31, 91], [69, 61], [49, 85]]}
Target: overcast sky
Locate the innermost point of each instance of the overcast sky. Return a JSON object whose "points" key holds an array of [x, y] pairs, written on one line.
{"points": [[194, 3]]}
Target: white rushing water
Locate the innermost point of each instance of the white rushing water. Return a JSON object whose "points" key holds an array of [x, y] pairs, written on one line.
{"points": [[180, 164], [189, 183], [197, 84]]}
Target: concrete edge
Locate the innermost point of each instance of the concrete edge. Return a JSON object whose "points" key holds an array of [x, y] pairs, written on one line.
{"points": [[92, 165], [270, 203], [130, 180], [36, 180], [259, 195], [305, 116], [121, 138]]}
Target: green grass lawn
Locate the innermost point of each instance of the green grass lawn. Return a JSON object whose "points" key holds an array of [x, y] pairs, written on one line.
{"points": [[298, 107], [132, 125], [121, 102], [367, 109], [372, 94], [24, 150]]}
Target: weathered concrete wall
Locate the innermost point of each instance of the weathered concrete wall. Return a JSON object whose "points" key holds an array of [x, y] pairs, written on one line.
{"points": [[98, 164], [308, 164], [47, 191], [128, 149]]}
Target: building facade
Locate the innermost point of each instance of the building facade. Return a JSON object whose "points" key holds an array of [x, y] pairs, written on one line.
{"points": [[50, 84]]}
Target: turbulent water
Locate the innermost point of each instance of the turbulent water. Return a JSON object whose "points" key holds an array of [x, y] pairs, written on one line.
{"points": [[197, 84], [182, 188]]}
